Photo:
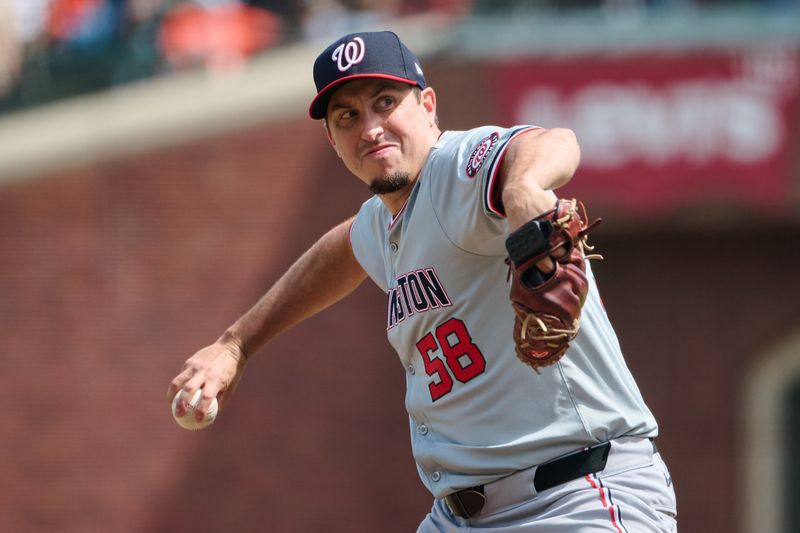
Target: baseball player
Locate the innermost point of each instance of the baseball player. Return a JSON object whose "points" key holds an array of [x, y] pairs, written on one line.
{"points": [[523, 414]]}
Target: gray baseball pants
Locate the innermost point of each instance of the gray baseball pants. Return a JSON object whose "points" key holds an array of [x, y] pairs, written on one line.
{"points": [[632, 494]]}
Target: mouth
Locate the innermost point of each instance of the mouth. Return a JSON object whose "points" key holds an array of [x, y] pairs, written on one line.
{"points": [[378, 151]]}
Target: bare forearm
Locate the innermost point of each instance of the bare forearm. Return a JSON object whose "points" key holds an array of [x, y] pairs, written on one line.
{"points": [[535, 164], [325, 274]]}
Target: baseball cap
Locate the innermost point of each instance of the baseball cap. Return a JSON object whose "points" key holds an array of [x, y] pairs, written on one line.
{"points": [[362, 55]]}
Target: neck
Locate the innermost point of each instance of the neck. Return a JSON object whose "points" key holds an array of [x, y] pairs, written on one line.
{"points": [[394, 201]]}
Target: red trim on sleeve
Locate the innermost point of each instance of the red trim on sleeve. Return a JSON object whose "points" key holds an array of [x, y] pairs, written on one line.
{"points": [[350, 232], [494, 196]]}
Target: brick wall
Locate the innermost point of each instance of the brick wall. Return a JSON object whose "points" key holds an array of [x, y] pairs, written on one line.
{"points": [[112, 274]]}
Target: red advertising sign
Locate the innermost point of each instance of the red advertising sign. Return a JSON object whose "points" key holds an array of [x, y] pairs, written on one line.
{"points": [[658, 131]]}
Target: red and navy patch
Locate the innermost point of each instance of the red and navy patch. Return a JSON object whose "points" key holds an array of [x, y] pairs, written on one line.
{"points": [[480, 153]]}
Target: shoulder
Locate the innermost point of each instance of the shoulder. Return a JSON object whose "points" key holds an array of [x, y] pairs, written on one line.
{"points": [[367, 239], [372, 207], [477, 144], [473, 153], [371, 213], [452, 138], [480, 132]]}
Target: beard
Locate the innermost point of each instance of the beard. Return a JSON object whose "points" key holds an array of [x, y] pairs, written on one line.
{"points": [[390, 183]]}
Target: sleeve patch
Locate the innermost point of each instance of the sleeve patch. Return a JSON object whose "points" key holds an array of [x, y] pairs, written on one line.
{"points": [[480, 154]]}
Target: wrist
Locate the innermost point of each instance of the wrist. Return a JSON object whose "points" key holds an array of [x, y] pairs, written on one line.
{"points": [[524, 204], [234, 343]]}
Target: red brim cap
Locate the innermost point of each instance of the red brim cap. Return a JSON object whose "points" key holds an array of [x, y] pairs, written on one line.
{"points": [[362, 55]]}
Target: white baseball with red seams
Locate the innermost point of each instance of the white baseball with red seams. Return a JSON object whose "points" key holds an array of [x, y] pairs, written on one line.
{"points": [[189, 420]]}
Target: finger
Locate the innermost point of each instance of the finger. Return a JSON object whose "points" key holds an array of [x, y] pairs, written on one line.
{"points": [[211, 390], [216, 386], [226, 385], [561, 251], [546, 265], [187, 393], [204, 405], [177, 384], [181, 404]]}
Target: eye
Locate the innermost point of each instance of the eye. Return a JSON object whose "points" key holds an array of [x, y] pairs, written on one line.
{"points": [[384, 102], [346, 116]]}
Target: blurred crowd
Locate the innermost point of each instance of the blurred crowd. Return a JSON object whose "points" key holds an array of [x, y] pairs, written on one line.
{"points": [[52, 49], [494, 6]]}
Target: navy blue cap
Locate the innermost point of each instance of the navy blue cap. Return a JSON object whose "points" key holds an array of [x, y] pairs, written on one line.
{"points": [[362, 55]]}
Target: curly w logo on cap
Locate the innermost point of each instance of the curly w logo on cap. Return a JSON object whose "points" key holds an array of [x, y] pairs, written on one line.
{"points": [[352, 52]]}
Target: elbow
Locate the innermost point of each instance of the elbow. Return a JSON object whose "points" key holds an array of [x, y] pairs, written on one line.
{"points": [[571, 150], [544, 158], [570, 140]]}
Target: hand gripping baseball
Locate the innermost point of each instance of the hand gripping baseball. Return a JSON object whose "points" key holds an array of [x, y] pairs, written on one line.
{"points": [[548, 306], [215, 370]]}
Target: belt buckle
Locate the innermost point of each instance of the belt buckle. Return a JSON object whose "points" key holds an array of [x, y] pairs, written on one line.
{"points": [[466, 503]]}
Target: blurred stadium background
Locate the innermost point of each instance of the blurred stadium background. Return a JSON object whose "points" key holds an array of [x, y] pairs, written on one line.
{"points": [[158, 171]]}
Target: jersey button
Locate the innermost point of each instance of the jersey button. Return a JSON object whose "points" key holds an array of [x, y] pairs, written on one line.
{"points": [[423, 429], [436, 476], [393, 246], [411, 370]]}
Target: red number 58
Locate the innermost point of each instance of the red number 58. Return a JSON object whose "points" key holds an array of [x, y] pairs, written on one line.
{"points": [[462, 359]]}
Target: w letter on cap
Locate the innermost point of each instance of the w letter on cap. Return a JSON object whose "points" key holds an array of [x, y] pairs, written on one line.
{"points": [[348, 54]]}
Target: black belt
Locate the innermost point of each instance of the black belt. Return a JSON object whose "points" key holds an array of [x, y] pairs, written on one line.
{"points": [[467, 503]]}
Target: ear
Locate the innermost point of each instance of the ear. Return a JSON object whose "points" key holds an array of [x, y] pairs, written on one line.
{"points": [[429, 102], [330, 137]]}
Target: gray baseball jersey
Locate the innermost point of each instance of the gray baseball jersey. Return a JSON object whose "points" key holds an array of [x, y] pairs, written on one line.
{"points": [[476, 412]]}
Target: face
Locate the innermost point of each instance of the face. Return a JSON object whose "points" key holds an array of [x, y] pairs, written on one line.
{"points": [[382, 131]]}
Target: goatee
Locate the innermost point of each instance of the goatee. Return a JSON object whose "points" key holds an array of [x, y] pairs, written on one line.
{"points": [[389, 184]]}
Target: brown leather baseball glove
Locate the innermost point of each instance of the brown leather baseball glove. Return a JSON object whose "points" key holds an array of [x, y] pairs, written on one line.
{"points": [[548, 306]]}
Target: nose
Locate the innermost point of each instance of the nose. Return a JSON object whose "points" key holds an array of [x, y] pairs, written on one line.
{"points": [[373, 127]]}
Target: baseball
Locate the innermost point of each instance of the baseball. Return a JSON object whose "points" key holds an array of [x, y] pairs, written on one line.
{"points": [[188, 421]]}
